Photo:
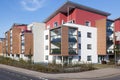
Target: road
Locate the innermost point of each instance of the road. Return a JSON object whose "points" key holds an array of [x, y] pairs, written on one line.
{"points": [[11, 75], [112, 77], [14, 73]]}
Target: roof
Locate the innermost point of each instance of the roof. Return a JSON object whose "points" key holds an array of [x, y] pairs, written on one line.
{"points": [[117, 19], [16, 24], [110, 20], [1, 39], [63, 9]]}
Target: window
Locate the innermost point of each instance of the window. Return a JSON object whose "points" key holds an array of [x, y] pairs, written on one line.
{"points": [[12, 55], [46, 57], [22, 44], [8, 54], [71, 21], [46, 47], [55, 24], [87, 23], [79, 46], [17, 55], [89, 58], [79, 59], [89, 46], [63, 22], [79, 34], [46, 37], [89, 35]]}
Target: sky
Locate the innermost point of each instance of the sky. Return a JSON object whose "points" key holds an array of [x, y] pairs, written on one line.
{"points": [[28, 11]]}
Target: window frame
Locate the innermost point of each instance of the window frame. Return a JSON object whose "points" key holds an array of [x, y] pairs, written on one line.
{"points": [[89, 35], [46, 57], [79, 33], [79, 46], [55, 24], [46, 47], [89, 46], [46, 37], [89, 58], [87, 23]]}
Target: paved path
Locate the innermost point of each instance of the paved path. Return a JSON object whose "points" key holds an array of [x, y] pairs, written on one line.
{"points": [[88, 75]]}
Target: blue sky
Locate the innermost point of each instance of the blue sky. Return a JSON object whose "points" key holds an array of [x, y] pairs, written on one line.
{"points": [[27, 11]]}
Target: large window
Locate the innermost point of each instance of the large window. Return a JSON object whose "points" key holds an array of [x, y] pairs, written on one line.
{"points": [[55, 41], [72, 40]]}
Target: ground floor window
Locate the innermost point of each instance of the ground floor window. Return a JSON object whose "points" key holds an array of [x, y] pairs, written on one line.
{"points": [[17, 55], [12, 55], [46, 57], [79, 58], [89, 58]]}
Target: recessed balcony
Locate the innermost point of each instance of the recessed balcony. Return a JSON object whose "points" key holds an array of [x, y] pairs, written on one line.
{"points": [[55, 51]]}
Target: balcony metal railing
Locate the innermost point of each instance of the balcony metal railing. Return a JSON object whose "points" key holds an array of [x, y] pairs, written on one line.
{"points": [[72, 50], [55, 51]]}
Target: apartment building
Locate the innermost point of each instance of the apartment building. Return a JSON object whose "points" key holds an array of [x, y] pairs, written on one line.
{"points": [[2, 40], [19, 42], [38, 41], [77, 33], [117, 39], [73, 33]]}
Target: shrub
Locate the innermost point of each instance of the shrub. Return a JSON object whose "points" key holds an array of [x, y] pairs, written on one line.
{"points": [[49, 68]]}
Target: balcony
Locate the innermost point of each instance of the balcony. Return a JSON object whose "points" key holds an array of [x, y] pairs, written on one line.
{"points": [[55, 40], [56, 51], [72, 39], [72, 51]]}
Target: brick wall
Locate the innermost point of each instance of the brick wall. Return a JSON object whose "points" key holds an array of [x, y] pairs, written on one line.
{"points": [[101, 36], [28, 43], [16, 40]]}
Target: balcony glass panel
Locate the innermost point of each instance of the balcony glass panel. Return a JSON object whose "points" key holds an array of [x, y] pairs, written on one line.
{"points": [[55, 41], [72, 40]]}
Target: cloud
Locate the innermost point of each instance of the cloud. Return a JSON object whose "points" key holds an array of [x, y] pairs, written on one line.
{"points": [[32, 5]]}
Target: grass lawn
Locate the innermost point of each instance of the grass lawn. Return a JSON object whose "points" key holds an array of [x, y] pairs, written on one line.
{"points": [[99, 66]]}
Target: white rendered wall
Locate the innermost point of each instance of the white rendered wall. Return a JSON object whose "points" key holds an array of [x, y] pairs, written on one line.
{"points": [[38, 42], [84, 52], [22, 56], [46, 43], [117, 34]]}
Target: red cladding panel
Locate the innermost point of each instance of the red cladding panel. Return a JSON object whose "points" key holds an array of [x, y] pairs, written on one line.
{"points": [[58, 18], [22, 27], [79, 16], [83, 16], [117, 25], [72, 15]]}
